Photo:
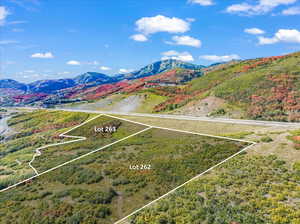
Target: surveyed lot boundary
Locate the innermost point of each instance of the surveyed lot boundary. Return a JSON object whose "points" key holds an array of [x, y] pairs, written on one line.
{"points": [[144, 128], [63, 135], [39, 152]]}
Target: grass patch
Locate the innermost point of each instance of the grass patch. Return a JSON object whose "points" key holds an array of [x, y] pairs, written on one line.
{"points": [[104, 185]]}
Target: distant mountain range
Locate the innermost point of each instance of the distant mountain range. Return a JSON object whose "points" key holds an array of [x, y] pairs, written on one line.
{"points": [[262, 88], [161, 66], [89, 77], [93, 78], [12, 84]]}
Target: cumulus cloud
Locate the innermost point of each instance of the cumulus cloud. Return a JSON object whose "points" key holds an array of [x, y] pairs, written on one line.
{"points": [[185, 40], [265, 40], [223, 58], [262, 7], [181, 56], [43, 55], [202, 2], [124, 70], [3, 14], [254, 31], [237, 8], [282, 35], [139, 37], [73, 62], [104, 68], [160, 23], [291, 11]]}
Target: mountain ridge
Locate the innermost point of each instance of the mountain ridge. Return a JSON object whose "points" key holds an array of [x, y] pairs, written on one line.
{"points": [[161, 66], [261, 88], [94, 78]]}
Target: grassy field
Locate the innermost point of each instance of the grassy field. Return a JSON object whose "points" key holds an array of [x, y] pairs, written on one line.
{"points": [[219, 129], [146, 104], [247, 189], [149, 102], [261, 186], [31, 130], [106, 186], [56, 155]]}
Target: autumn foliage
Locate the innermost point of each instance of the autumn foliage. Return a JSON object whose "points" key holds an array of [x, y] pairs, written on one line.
{"points": [[281, 102]]}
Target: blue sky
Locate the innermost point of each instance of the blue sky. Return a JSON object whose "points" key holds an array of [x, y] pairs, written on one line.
{"points": [[47, 39]]}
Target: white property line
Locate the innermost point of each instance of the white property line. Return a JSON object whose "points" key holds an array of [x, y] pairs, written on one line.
{"points": [[75, 159], [194, 178], [106, 146], [180, 117], [176, 130], [189, 118], [78, 138]]}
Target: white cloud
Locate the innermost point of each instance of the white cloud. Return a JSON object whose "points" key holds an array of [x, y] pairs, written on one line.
{"points": [[139, 37], [223, 58], [237, 8], [262, 7], [43, 55], [3, 14], [186, 40], [202, 2], [275, 3], [282, 35], [124, 70], [181, 56], [265, 40], [72, 62], [104, 68], [159, 23], [5, 42], [291, 11], [254, 31]]}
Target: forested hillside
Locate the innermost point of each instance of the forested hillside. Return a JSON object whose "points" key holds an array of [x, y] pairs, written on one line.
{"points": [[264, 88]]}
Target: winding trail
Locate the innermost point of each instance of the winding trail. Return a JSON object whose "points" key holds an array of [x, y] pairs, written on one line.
{"points": [[63, 135], [120, 198], [3, 125]]}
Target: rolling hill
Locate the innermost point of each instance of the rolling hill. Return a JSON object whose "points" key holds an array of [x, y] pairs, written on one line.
{"points": [[261, 88]]}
